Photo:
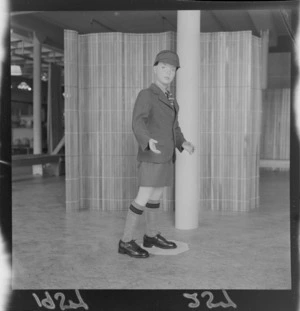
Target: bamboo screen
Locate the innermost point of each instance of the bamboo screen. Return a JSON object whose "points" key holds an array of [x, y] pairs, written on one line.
{"points": [[72, 129], [275, 140], [229, 118], [104, 73]]}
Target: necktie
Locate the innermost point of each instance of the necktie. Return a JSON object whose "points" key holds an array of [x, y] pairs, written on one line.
{"points": [[170, 97]]}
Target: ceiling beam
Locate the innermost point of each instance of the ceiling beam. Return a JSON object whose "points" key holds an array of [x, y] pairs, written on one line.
{"points": [[223, 25], [29, 50], [286, 18], [164, 19], [15, 43], [52, 54], [28, 37], [94, 21], [22, 56], [255, 30], [44, 61], [27, 63], [22, 48], [21, 35], [48, 33]]}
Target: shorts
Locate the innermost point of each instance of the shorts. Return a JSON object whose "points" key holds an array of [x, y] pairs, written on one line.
{"points": [[156, 174]]}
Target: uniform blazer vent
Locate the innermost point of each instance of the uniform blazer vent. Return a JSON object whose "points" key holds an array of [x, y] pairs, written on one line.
{"points": [[154, 117]]}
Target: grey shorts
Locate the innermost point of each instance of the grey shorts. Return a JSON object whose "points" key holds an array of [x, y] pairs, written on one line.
{"points": [[156, 174]]}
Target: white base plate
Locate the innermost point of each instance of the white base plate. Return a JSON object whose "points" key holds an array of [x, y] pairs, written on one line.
{"points": [[181, 248]]}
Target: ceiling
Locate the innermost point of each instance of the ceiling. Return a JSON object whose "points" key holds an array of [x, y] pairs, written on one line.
{"points": [[49, 27]]}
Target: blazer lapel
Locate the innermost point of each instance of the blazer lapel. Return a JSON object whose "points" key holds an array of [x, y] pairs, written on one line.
{"points": [[162, 97], [176, 106]]}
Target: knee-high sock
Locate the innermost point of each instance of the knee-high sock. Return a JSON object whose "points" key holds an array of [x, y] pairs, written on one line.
{"points": [[152, 214], [133, 216]]}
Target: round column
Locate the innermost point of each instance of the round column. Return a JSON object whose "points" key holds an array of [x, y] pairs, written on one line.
{"points": [[37, 104], [187, 93]]}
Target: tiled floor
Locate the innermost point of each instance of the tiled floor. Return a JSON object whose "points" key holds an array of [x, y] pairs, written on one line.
{"points": [[55, 249]]}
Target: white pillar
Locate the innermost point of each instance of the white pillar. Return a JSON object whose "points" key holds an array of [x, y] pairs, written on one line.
{"points": [[37, 103], [187, 93]]}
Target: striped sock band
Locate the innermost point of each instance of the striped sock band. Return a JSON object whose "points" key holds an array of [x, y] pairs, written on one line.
{"points": [[153, 204], [136, 208]]}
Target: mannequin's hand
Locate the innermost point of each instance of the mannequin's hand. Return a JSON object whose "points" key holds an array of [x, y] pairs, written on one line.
{"points": [[152, 146], [189, 147]]}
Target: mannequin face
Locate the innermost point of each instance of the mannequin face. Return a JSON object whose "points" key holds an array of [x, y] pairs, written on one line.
{"points": [[164, 74]]}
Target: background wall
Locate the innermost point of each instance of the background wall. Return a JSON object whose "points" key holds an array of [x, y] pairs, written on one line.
{"points": [[22, 115]]}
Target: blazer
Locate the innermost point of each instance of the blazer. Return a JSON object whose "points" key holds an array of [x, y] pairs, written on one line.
{"points": [[154, 117]]}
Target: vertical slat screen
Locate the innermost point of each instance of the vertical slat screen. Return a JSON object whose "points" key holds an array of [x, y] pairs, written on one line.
{"points": [[72, 129], [258, 84], [275, 140], [229, 113], [112, 69]]}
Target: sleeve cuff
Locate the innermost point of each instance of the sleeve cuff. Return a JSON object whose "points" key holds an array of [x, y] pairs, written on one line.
{"points": [[180, 148], [145, 145]]}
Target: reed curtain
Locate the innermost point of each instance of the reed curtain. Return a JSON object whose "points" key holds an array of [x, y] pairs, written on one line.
{"points": [[229, 118], [275, 139], [103, 75]]}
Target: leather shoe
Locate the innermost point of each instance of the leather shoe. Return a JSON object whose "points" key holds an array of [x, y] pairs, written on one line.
{"points": [[132, 249], [158, 241]]}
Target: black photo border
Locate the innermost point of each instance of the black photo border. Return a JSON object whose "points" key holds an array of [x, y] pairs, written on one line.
{"points": [[156, 300]]}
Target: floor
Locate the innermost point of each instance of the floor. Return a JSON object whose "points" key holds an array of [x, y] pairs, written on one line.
{"points": [[55, 249]]}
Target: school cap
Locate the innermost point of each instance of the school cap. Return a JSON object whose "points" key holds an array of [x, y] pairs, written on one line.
{"points": [[168, 57]]}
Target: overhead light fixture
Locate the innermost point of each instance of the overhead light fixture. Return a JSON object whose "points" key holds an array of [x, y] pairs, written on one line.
{"points": [[24, 86], [15, 70]]}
